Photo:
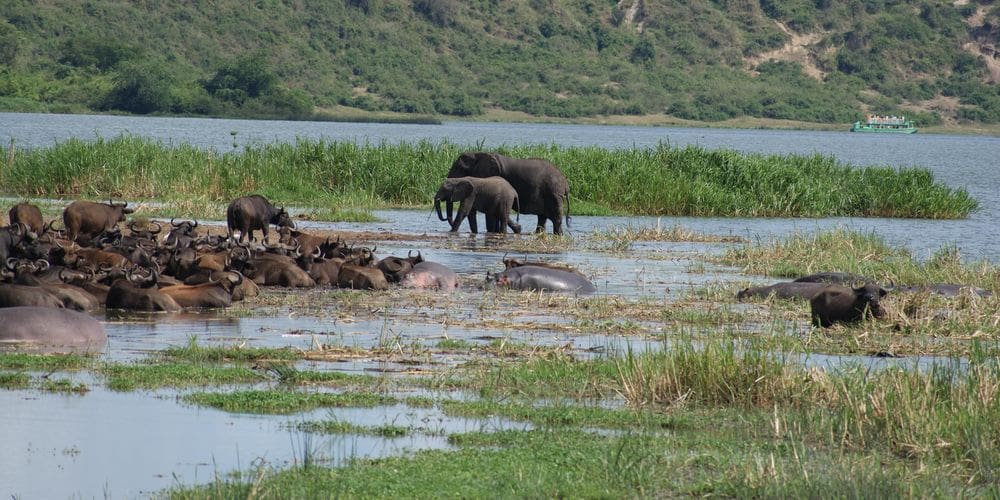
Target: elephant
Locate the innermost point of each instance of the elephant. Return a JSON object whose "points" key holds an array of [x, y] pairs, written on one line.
{"points": [[492, 196], [541, 187]]}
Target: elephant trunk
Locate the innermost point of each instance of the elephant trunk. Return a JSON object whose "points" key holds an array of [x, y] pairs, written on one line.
{"points": [[437, 207]]}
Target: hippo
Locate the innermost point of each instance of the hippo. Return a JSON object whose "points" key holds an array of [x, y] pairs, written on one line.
{"points": [[47, 328], [841, 304], [783, 290], [430, 275], [544, 279], [833, 277]]}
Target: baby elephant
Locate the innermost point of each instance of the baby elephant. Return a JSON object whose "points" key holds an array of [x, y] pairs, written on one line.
{"points": [[493, 196], [841, 304]]}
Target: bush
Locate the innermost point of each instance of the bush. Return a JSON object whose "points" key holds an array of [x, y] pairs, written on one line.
{"points": [[141, 88], [241, 78]]}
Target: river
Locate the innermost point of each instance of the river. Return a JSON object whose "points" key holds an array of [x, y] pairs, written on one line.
{"points": [[968, 162], [133, 444]]}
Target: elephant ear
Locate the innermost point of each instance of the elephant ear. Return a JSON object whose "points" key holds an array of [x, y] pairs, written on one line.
{"points": [[463, 189], [490, 165]]}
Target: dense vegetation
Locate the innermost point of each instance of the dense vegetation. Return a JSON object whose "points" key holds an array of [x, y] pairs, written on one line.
{"points": [[663, 180], [704, 60]]}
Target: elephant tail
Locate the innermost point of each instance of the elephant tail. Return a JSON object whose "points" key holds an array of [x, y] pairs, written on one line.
{"points": [[567, 208], [517, 208]]}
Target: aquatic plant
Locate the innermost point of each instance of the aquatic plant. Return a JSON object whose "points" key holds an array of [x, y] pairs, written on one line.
{"points": [[340, 175]]}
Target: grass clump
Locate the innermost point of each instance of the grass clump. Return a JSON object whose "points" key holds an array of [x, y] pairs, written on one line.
{"points": [[564, 415], [130, 377], [64, 386], [195, 353], [867, 254], [947, 414], [285, 402], [44, 362], [341, 427], [661, 180], [14, 380]]}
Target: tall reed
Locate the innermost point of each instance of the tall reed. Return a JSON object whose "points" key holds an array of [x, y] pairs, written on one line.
{"points": [[948, 413], [660, 180]]}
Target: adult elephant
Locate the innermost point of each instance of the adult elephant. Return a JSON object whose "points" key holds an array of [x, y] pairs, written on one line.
{"points": [[493, 196], [542, 189]]}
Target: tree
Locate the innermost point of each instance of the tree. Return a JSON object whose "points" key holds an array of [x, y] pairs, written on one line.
{"points": [[141, 88], [242, 78], [9, 44]]}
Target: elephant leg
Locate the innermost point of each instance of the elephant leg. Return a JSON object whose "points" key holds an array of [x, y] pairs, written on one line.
{"points": [[515, 227], [541, 225], [491, 223], [473, 226], [556, 224], [463, 213]]}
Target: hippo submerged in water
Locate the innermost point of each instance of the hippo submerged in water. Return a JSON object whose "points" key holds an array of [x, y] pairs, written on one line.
{"points": [[545, 279], [48, 328]]}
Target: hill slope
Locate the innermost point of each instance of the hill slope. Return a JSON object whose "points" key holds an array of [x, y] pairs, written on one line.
{"points": [[809, 60]]}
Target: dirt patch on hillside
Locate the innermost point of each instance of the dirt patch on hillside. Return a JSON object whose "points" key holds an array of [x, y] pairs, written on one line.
{"points": [[798, 49]]}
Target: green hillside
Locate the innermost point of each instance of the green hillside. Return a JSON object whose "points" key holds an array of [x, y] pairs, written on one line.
{"points": [[808, 60]]}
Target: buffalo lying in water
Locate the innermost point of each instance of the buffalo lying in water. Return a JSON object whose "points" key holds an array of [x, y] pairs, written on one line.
{"points": [[841, 304], [50, 329]]}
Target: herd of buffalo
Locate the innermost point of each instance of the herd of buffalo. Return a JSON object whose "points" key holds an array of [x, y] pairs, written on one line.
{"points": [[51, 277]]}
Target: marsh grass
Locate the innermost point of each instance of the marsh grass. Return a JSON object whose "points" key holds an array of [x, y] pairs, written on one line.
{"points": [[14, 380], [64, 386], [342, 427], [562, 415], [867, 254], [947, 414], [284, 401], [195, 353], [130, 377], [661, 180], [623, 236], [44, 362]]}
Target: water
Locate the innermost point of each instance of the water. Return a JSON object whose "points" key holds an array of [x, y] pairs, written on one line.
{"points": [[133, 444], [967, 162]]}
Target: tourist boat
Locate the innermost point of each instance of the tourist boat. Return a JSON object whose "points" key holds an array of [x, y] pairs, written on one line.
{"points": [[885, 124]]}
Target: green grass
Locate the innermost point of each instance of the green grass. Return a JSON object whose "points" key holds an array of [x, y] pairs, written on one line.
{"points": [[195, 353], [867, 254], [564, 415], [342, 427], [44, 362], [130, 377], [337, 176], [14, 380], [284, 401]]}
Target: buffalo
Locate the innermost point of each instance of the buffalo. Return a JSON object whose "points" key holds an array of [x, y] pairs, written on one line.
{"points": [[841, 304], [249, 213], [27, 214], [87, 218]]}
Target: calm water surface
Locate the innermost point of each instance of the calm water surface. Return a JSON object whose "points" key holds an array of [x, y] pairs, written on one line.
{"points": [[969, 162], [132, 444]]}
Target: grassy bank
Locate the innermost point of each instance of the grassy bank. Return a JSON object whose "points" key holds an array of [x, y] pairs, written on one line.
{"points": [[712, 419], [662, 180]]}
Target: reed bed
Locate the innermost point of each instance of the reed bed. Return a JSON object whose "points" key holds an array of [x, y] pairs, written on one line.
{"points": [[946, 414], [867, 254], [661, 180]]}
